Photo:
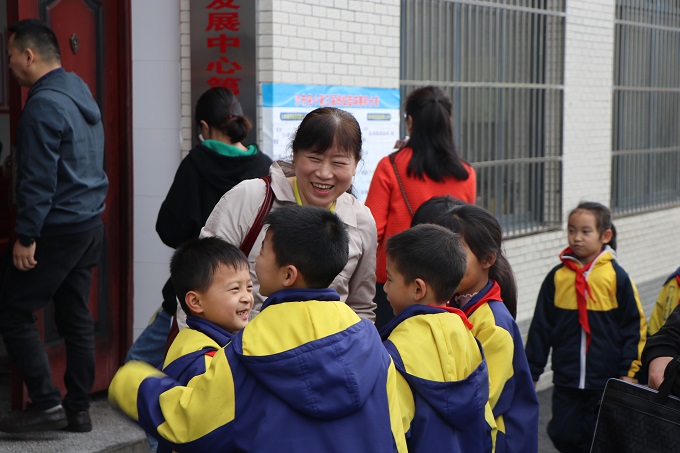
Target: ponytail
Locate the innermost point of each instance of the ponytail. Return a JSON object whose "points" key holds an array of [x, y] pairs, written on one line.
{"points": [[501, 272], [236, 127]]}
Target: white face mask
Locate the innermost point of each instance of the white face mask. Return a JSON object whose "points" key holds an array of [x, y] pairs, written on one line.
{"points": [[200, 138]]}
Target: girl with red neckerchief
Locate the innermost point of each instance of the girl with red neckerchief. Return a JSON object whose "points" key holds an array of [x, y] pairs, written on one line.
{"points": [[487, 294], [589, 313]]}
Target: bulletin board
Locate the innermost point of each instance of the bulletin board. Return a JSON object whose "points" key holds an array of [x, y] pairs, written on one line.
{"points": [[376, 111]]}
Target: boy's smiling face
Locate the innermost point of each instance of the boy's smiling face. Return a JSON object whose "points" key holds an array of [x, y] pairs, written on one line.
{"points": [[229, 299]]}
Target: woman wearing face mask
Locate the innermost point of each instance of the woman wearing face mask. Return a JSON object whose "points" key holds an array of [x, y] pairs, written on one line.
{"points": [[326, 150], [209, 170]]}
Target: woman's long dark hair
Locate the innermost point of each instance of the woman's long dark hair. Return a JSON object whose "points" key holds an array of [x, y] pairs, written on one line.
{"points": [[431, 136], [482, 233]]}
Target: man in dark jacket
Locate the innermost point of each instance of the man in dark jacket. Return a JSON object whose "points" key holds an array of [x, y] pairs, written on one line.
{"points": [[661, 348], [60, 191]]}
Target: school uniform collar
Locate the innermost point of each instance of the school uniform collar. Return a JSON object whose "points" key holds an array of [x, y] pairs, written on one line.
{"points": [[301, 295], [490, 292]]}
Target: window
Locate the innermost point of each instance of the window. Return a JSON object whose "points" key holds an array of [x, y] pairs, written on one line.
{"points": [[502, 64], [646, 106]]}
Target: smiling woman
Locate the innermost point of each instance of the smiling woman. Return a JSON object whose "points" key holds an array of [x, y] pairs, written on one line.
{"points": [[326, 150]]}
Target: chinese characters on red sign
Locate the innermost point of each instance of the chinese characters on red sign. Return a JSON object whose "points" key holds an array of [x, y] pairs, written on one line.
{"points": [[224, 18]]}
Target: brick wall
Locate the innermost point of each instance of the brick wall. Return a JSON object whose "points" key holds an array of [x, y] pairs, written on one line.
{"points": [[185, 73]]}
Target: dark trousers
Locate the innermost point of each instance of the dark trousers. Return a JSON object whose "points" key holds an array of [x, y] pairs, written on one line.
{"points": [[63, 274], [574, 415], [383, 311]]}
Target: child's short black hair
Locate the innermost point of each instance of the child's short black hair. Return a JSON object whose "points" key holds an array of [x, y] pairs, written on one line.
{"points": [[312, 239], [432, 253], [194, 263], [433, 208]]}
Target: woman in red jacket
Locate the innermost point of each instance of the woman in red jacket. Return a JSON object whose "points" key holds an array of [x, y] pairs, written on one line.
{"points": [[427, 166]]}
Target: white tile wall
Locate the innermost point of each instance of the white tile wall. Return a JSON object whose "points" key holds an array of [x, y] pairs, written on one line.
{"points": [[156, 122]]}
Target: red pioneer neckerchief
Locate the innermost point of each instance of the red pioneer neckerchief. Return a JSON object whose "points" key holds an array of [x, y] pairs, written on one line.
{"points": [[494, 293], [457, 311], [581, 290]]}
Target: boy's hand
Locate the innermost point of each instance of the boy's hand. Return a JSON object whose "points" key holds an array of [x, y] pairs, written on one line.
{"points": [[629, 379]]}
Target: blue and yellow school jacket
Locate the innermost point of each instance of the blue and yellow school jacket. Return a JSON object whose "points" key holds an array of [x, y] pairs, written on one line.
{"points": [[191, 353], [617, 325], [307, 374], [192, 350], [669, 298], [443, 381], [512, 395]]}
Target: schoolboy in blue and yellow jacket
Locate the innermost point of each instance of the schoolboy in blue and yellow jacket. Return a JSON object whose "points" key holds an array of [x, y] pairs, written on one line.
{"points": [[669, 298], [443, 381], [306, 374]]}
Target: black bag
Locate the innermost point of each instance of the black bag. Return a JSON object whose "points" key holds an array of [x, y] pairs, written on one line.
{"points": [[636, 419]]}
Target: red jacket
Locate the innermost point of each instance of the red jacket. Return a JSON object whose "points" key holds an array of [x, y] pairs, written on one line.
{"points": [[389, 208]]}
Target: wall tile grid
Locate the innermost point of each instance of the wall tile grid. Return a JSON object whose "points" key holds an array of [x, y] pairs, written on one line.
{"points": [[156, 114], [185, 69]]}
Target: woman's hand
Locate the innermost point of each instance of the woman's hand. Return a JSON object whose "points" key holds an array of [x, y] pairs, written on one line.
{"points": [[657, 367]]}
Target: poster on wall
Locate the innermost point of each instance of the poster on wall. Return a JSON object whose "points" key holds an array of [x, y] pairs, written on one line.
{"points": [[376, 111]]}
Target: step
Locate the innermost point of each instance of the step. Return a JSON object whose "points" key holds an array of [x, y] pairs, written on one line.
{"points": [[112, 432]]}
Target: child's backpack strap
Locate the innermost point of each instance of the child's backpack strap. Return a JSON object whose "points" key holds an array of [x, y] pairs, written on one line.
{"points": [[256, 227]]}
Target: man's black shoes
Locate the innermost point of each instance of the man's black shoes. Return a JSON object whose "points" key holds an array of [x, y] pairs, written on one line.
{"points": [[78, 422], [35, 419]]}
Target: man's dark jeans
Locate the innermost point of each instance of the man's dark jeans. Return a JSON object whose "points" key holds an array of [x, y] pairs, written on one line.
{"points": [[63, 274]]}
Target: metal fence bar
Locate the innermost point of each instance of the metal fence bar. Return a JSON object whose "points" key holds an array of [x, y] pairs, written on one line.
{"points": [[502, 63], [646, 110]]}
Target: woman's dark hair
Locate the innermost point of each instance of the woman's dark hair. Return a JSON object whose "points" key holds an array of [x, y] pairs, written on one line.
{"points": [[431, 136], [220, 109], [603, 218], [327, 126], [483, 235], [35, 34]]}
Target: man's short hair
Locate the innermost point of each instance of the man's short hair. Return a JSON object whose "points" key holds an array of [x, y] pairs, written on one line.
{"points": [[36, 35], [194, 263], [432, 253], [312, 239]]}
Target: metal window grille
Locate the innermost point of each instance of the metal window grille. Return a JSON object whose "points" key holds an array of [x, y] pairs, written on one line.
{"points": [[502, 64], [646, 107]]}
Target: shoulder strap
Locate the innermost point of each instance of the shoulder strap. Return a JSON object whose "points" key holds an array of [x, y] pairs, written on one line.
{"points": [[247, 244], [401, 187]]}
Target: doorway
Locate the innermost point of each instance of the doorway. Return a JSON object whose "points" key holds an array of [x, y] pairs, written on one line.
{"points": [[94, 40]]}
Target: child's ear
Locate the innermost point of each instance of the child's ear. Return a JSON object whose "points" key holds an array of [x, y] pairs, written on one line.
{"points": [[419, 289], [290, 275], [607, 236], [489, 260], [193, 301]]}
